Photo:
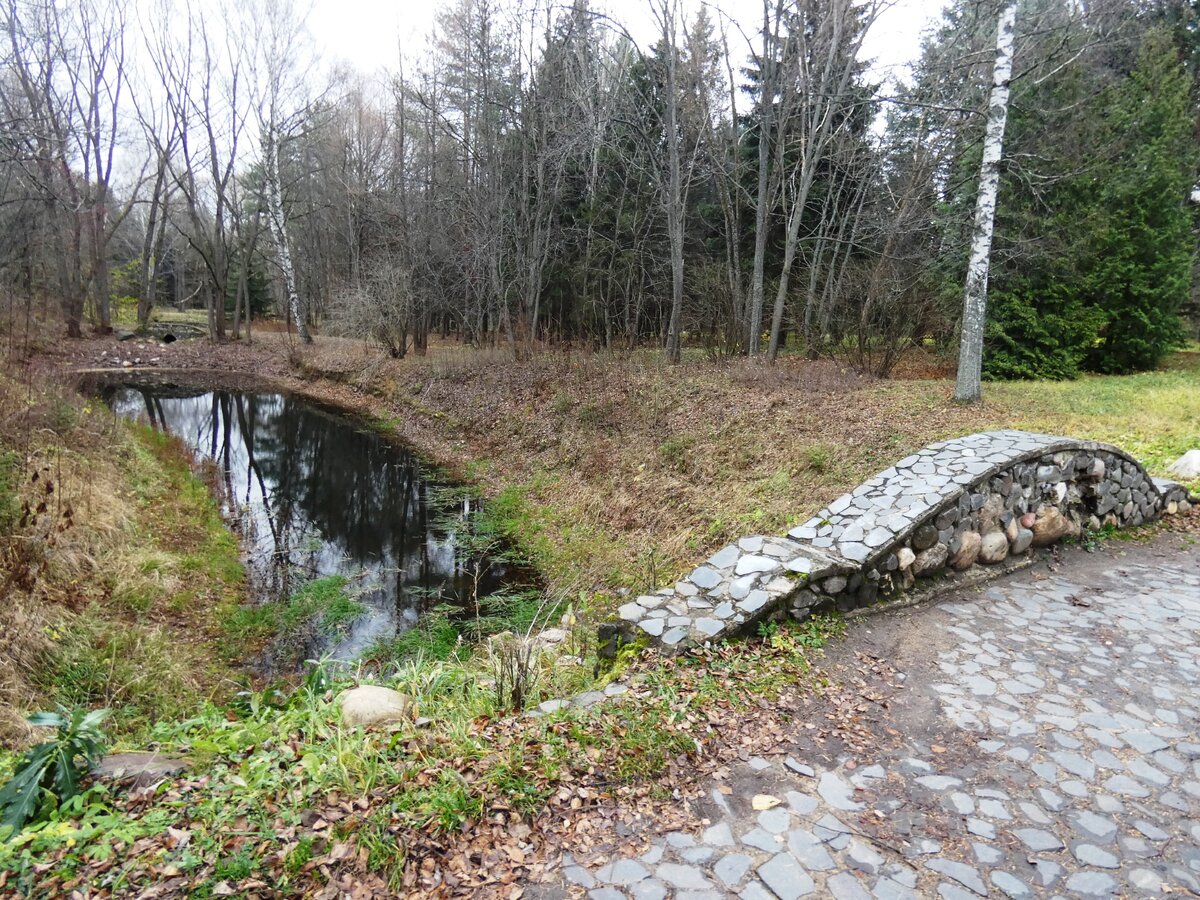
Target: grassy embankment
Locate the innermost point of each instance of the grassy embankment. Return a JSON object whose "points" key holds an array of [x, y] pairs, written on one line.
{"points": [[118, 569], [132, 600], [618, 471]]}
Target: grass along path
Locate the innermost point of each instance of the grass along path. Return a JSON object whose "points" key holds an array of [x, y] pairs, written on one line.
{"points": [[284, 799]]}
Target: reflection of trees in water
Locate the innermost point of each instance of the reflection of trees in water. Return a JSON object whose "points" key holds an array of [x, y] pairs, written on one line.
{"points": [[317, 495]]}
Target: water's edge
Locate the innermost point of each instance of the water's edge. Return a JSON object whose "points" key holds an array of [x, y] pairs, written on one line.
{"points": [[317, 490]]}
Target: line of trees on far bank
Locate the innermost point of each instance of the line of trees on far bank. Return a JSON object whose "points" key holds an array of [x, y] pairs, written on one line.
{"points": [[536, 176]]}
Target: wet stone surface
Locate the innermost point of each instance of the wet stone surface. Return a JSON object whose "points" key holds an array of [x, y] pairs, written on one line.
{"points": [[1067, 707]]}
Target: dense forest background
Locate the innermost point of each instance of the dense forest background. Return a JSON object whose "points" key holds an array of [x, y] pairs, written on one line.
{"points": [[535, 177]]}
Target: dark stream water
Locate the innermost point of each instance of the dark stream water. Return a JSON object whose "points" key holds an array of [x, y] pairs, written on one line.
{"points": [[316, 494]]}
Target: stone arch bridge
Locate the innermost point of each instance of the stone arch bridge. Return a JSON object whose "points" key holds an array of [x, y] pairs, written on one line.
{"points": [[972, 500]]}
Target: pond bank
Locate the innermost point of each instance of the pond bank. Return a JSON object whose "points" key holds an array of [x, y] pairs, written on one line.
{"points": [[124, 582], [349, 539], [615, 471]]}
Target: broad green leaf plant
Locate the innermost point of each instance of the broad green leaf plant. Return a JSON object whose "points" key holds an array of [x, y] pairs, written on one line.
{"points": [[56, 766]]}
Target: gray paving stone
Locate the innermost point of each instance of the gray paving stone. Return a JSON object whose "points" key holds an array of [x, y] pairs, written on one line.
{"points": [[1126, 786], [580, 876], [962, 803], [1075, 764], [1150, 830], [682, 876], [755, 891], [965, 875], [953, 892], [1048, 872], [1091, 855], [732, 868], [993, 809], [653, 855], [810, 850], [835, 791], [799, 768], [1092, 884], [801, 804], [1093, 825], [981, 828], [774, 821], [863, 857], [785, 876], [1010, 885], [1143, 741], [762, 840], [651, 889], [844, 886], [1038, 839], [1146, 881], [889, 889], [986, 853], [622, 871]]}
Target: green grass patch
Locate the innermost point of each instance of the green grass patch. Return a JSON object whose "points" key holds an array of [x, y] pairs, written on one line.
{"points": [[319, 609], [155, 647], [10, 501], [265, 772], [1154, 416]]}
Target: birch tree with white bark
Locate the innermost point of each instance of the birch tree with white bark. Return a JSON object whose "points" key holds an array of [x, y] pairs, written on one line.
{"points": [[277, 63], [968, 387]]}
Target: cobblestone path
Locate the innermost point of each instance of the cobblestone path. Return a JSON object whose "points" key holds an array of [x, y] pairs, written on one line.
{"points": [[1068, 714]]}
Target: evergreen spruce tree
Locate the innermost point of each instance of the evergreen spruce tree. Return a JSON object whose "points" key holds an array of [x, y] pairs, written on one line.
{"points": [[1141, 276]]}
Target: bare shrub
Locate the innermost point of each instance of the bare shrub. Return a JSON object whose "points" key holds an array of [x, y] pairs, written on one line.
{"points": [[381, 309], [512, 660]]}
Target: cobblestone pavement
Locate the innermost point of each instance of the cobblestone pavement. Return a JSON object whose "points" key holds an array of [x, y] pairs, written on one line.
{"points": [[1048, 745]]}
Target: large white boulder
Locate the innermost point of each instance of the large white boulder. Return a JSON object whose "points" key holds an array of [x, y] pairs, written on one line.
{"points": [[369, 704], [1187, 466]]}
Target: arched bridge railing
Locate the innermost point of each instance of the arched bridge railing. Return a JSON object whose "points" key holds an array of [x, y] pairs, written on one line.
{"points": [[969, 501]]}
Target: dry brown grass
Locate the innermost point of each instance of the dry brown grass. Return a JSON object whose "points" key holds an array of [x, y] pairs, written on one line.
{"points": [[632, 470], [101, 600], [68, 517]]}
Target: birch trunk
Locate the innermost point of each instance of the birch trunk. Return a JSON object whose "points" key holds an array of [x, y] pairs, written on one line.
{"points": [[278, 225], [967, 387], [676, 200]]}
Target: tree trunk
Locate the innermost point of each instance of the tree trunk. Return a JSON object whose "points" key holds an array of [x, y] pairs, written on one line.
{"points": [[275, 218], [152, 247], [676, 204], [99, 241], [967, 388], [762, 200]]}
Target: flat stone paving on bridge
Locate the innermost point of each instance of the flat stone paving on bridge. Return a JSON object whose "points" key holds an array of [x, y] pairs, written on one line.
{"points": [[1067, 705]]}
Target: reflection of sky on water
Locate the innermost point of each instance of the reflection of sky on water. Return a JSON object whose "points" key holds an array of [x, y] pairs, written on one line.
{"points": [[316, 495]]}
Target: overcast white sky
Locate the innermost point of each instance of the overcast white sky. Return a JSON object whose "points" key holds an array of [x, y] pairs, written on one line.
{"points": [[369, 33]]}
